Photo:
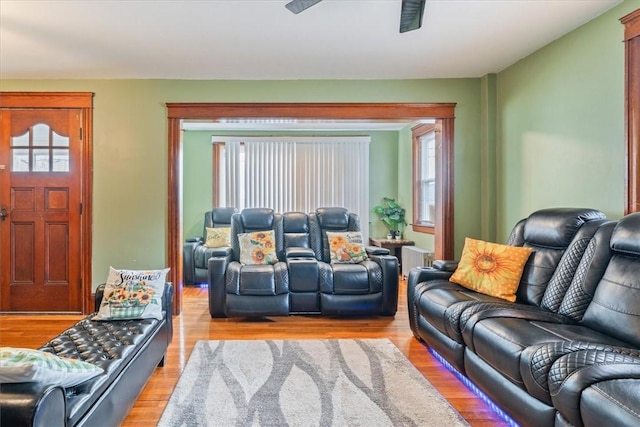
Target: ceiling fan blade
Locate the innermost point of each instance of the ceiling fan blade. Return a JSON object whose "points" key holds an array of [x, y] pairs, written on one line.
{"points": [[411, 15], [297, 6]]}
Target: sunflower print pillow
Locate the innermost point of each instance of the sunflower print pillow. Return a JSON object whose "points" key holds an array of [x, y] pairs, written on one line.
{"points": [[490, 268], [346, 248], [258, 247]]}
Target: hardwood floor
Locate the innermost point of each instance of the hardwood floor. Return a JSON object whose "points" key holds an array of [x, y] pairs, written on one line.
{"points": [[196, 324]]}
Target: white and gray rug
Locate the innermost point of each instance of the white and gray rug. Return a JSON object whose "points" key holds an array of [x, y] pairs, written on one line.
{"points": [[344, 382]]}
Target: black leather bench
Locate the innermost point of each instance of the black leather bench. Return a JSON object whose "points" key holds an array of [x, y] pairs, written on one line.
{"points": [[127, 350]]}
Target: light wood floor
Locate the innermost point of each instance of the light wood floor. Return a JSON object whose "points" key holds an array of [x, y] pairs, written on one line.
{"points": [[195, 324]]}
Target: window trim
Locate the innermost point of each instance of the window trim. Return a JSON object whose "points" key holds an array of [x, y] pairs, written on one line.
{"points": [[418, 132], [444, 185]]}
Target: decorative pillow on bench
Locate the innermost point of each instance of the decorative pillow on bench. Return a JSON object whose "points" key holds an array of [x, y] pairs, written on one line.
{"points": [[132, 294], [24, 365]]}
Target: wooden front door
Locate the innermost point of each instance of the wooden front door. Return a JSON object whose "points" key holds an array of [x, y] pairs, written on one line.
{"points": [[40, 209]]}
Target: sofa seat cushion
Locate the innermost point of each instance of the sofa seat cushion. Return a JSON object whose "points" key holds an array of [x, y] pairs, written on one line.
{"points": [[257, 279], [110, 345], [354, 279], [500, 342], [441, 297], [623, 408], [350, 279]]}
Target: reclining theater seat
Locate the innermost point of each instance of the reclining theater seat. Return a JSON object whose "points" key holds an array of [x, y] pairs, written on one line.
{"points": [[237, 289], [599, 356], [498, 357], [195, 254], [367, 287], [439, 309]]}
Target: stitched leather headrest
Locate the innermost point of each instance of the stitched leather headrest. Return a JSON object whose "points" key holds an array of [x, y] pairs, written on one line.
{"points": [[333, 218], [222, 215], [626, 235], [295, 222], [556, 227], [257, 218]]}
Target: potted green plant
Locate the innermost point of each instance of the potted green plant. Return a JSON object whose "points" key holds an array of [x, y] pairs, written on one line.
{"points": [[392, 216]]}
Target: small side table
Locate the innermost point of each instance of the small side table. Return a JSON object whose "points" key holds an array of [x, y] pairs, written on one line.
{"points": [[394, 246]]}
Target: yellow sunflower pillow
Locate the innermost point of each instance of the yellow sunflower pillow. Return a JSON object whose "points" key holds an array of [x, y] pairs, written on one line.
{"points": [[218, 237], [258, 247], [346, 248], [491, 268]]}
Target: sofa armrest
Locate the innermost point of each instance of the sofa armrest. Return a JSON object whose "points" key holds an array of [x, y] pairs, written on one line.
{"points": [[188, 266], [216, 272], [537, 361], [167, 306], [376, 250], [424, 274], [390, 273], [99, 294], [299, 252], [445, 265], [32, 404], [574, 372]]}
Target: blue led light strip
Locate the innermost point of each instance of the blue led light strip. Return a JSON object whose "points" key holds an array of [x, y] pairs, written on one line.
{"points": [[471, 386]]}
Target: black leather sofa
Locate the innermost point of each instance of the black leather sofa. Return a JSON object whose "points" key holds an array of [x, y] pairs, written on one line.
{"points": [[127, 350], [566, 352], [302, 280], [195, 254]]}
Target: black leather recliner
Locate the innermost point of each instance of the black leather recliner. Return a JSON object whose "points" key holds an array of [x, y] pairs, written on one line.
{"points": [[195, 254], [236, 289], [369, 287]]}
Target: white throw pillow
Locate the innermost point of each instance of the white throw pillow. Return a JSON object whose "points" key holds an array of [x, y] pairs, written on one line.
{"points": [[132, 294], [219, 237], [24, 365]]}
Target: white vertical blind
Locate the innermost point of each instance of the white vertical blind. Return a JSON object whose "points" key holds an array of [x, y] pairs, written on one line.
{"points": [[297, 173]]}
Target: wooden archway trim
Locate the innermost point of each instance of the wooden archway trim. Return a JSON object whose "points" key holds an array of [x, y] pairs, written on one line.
{"points": [[176, 112], [632, 109]]}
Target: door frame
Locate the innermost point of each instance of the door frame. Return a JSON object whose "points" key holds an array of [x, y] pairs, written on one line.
{"points": [[176, 112], [76, 101]]}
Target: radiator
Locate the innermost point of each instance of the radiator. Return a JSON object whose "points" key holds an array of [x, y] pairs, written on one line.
{"points": [[413, 256]]}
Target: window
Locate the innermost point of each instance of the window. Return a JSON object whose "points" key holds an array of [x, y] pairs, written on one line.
{"points": [[40, 149], [424, 173], [293, 173]]}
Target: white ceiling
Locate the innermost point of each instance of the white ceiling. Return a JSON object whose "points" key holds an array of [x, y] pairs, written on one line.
{"points": [[261, 39]]}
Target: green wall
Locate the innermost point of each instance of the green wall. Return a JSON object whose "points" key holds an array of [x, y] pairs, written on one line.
{"points": [[197, 178], [560, 124], [557, 140], [130, 149]]}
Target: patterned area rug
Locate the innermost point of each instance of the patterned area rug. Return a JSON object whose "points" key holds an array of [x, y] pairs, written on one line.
{"points": [[346, 382]]}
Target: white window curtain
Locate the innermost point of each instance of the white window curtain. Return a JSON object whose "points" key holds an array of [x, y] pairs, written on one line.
{"points": [[296, 173]]}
